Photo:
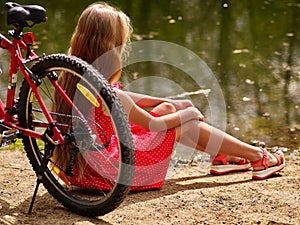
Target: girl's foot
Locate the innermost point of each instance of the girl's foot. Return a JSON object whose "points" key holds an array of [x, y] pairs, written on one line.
{"points": [[223, 164], [267, 165]]}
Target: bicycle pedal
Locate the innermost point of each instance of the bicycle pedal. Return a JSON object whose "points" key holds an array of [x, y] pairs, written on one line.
{"points": [[9, 137]]}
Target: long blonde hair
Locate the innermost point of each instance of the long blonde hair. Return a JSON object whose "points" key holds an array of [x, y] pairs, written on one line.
{"points": [[100, 38]]}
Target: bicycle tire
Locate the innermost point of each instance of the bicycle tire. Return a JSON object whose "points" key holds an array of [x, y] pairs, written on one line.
{"points": [[101, 202]]}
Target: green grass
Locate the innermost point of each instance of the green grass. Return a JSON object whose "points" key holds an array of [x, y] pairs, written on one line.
{"points": [[18, 145]]}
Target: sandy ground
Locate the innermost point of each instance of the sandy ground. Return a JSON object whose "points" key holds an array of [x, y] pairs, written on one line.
{"points": [[190, 197]]}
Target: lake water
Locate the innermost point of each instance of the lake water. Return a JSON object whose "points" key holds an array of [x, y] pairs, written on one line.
{"points": [[250, 49]]}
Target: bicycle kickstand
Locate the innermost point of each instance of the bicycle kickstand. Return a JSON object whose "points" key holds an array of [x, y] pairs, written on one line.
{"points": [[49, 147]]}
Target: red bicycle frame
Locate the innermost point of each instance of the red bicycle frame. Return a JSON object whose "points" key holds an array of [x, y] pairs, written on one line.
{"points": [[18, 62]]}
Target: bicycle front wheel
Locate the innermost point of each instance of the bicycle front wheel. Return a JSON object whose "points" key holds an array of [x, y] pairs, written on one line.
{"points": [[91, 172]]}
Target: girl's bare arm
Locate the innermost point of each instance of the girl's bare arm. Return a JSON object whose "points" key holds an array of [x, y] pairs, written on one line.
{"points": [[145, 101], [142, 118]]}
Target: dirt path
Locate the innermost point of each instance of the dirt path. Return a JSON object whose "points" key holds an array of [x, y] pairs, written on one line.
{"points": [[188, 198]]}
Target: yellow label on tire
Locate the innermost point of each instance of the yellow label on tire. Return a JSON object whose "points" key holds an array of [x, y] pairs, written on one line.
{"points": [[88, 95]]}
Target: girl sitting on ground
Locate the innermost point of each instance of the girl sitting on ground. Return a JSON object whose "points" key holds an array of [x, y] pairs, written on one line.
{"points": [[101, 29]]}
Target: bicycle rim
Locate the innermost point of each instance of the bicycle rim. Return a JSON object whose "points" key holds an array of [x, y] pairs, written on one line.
{"points": [[88, 149]]}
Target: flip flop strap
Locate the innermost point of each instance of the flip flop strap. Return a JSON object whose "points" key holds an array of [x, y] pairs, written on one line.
{"points": [[243, 161], [279, 159], [262, 161], [220, 158]]}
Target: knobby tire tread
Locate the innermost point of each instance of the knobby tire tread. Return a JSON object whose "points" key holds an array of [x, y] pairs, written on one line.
{"points": [[79, 66]]}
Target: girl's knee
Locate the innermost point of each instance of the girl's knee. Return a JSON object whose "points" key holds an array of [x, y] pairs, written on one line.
{"points": [[164, 108], [168, 107]]}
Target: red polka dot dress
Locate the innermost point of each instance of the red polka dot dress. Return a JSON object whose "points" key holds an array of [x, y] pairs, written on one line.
{"points": [[153, 151]]}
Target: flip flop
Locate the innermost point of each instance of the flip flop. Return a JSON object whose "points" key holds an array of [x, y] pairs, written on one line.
{"points": [[228, 167], [267, 171]]}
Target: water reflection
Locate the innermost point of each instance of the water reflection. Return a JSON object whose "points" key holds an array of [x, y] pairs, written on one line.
{"points": [[252, 46]]}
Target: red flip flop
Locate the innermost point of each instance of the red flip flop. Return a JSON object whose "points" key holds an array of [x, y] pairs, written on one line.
{"points": [[267, 171], [227, 167]]}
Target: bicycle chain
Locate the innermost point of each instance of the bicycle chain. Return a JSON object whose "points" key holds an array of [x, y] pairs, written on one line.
{"points": [[99, 147]]}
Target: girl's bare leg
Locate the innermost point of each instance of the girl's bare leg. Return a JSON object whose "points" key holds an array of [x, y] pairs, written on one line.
{"points": [[202, 136]]}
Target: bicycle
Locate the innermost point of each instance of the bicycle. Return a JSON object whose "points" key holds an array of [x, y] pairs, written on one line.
{"points": [[46, 129]]}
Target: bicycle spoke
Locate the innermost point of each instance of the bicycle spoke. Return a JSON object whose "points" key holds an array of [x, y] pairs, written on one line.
{"points": [[89, 148]]}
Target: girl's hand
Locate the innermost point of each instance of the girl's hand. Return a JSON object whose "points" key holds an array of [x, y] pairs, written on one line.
{"points": [[191, 113], [181, 104]]}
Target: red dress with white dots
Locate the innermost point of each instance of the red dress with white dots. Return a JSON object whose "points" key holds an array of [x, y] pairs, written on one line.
{"points": [[152, 156]]}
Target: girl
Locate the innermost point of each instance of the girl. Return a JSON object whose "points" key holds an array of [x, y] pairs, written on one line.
{"points": [[104, 29]]}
